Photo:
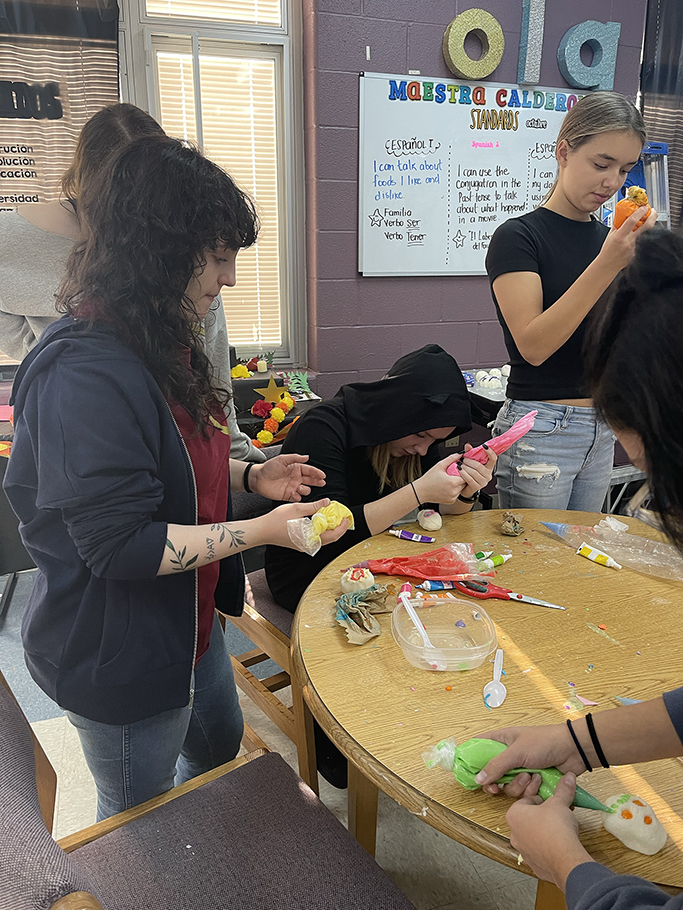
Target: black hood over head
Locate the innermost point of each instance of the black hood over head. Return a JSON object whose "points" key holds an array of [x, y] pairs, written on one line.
{"points": [[423, 390]]}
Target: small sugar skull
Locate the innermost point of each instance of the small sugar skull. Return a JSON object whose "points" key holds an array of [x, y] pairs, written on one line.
{"points": [[429, 519], [634, 823]]}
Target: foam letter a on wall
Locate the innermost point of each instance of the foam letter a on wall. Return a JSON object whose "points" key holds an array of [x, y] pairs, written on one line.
{"points": [[487, 28], [603, 40]]}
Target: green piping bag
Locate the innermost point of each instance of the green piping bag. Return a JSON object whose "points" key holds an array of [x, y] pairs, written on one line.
{"points": [[467, 760]]}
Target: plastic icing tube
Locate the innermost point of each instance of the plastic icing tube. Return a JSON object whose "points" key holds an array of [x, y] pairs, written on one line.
{"points": [[494, 561], [436, 585], [604, 559], [406, 535]]}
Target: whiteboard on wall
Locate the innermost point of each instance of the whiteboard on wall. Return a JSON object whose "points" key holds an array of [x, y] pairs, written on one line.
{"points": [[443, 163]]}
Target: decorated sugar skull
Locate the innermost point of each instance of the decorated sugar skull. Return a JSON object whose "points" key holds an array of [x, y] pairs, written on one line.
{"points": [[356, 579], [635, 824]]}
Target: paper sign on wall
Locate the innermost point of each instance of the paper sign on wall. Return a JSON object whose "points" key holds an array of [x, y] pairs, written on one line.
{"points": [[443, 163]]}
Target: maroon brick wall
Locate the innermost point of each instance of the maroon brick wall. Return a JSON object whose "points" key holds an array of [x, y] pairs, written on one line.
{"points": [[359, 326]]}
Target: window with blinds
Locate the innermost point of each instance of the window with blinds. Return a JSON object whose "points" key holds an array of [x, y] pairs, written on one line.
{"points": [[238, 129], [256, 12]]}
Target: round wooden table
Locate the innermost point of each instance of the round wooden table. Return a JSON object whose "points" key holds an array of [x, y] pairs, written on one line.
{"points": [[383, 713]]}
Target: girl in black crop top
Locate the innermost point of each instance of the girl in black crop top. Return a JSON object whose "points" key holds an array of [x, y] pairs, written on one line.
{"points": [[548, 269]]}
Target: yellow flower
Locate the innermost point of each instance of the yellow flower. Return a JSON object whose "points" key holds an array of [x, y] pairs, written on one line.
{"points": [[240, 372], [278, 414], [265, 437]]}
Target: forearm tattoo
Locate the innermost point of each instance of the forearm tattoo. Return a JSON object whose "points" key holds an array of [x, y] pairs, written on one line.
{"points": [[180, 564], [236, 537]]}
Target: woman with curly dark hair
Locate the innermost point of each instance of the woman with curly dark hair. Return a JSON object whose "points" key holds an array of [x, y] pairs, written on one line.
{"points": [[121, 477], [38, 237], [634, 362]]}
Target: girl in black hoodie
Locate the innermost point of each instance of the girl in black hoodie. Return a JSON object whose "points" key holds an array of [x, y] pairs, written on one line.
{"points": [[377, 443]]}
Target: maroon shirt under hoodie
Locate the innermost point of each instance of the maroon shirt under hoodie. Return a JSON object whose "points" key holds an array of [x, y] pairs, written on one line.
{"points": [[210, 457]]}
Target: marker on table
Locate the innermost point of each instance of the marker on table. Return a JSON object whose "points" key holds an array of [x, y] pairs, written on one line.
{"points": [[484, 554]]}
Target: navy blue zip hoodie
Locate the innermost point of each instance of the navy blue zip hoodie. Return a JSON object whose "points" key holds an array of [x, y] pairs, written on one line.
{"points": [[98, 469]]}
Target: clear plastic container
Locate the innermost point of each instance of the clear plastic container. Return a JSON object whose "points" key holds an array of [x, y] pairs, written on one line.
{"points": [[461, 632]]}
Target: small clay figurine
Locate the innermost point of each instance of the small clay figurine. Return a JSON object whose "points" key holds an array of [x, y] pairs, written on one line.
{"points": [[512, 525]]}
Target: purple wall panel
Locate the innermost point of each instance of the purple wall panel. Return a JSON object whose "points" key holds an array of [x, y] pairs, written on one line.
{"points": [[337, 153], [424, 50], [490, 345], [342, 41], [337, 99], [345, 7], [328, 383], [437, 11], [338, 254], [509, 12], [359, 326], [337, 205], [632, 27], [337, 303]]}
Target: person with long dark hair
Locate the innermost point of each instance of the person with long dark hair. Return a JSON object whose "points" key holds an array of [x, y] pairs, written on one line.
{"points": [[121, 477], [633, 363], [37, 239]]}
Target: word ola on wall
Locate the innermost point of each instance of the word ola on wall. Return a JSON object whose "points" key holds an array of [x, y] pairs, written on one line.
{"points": [[601, 37]]}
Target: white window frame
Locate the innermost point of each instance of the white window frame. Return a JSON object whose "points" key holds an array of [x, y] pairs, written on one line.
{"points": [[140, 35]]}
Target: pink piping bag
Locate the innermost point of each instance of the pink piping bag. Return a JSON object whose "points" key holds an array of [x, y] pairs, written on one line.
{"points": [[498, 444]]}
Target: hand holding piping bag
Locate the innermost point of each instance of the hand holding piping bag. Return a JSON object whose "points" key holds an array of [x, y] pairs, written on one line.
{"points": [[475, 474], [437, 485], [547, 833], [528, 747]]}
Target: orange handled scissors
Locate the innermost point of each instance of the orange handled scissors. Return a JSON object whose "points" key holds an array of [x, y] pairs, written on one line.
{"points": [[484, 589]]}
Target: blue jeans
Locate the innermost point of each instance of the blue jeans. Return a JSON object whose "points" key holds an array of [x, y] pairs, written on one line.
{"points": [[134, 762], [564, 462]]}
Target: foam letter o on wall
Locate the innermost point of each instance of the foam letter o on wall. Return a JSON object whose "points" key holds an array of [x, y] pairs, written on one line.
{"points": [[487, 28], [603, 40]]}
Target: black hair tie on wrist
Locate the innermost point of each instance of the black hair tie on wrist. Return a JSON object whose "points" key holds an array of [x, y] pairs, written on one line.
{"points": [[578, 746], [419, 504], [596, 742], [245, 478]]}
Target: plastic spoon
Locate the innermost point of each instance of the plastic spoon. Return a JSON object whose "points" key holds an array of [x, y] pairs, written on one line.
{"points": [[495, 692], [404, 597]]}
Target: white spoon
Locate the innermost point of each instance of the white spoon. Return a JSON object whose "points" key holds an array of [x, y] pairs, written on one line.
{"points": [[494, 691], [404, 596], [410, 610]]}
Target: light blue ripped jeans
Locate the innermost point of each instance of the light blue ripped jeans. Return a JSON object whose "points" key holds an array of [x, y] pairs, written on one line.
{"points": [[564, 462]]}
